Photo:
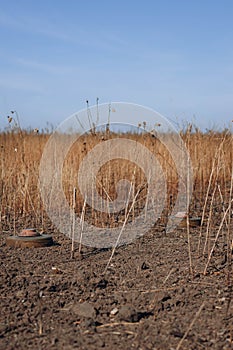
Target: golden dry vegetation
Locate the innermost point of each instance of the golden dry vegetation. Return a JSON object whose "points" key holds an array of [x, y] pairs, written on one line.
{"points": [[211, 154]]}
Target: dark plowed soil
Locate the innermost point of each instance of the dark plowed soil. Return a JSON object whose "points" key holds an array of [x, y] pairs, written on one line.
{"points": [[147, 299]]}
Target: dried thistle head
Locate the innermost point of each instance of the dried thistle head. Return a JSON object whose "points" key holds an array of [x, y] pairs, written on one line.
{"points": [[153, 133]]}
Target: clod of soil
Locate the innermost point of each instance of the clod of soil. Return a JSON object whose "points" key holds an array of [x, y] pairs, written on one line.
{"points": [[83, 310], [128, 314]]}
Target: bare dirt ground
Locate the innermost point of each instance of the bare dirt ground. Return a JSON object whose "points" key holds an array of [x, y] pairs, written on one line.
{"points": [[147, 299]]}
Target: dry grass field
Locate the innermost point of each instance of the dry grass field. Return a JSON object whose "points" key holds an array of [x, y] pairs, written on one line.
{"points": [[211, 155], [171, 291]]}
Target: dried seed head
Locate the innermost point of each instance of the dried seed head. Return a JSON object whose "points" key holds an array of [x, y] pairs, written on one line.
{"points": [[153, 133], [9, 119]]}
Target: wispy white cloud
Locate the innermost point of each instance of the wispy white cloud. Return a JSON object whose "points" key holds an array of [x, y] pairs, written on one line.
{"points": [[20, 83], [84, 38], [45, 67], [73, 34]]}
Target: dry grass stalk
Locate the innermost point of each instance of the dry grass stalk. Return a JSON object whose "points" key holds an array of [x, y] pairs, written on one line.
{"points": [[217, 236], [229, 238], [81, 225], [213, 174], [190, 326], [121, 231], [73, 223], [40, 316]]}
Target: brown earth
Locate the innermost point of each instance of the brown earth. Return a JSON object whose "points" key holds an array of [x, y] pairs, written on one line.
{"points": [[147, 299]]}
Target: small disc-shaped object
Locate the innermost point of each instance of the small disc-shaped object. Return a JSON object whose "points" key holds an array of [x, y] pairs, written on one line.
{"points": [[29, 241]]}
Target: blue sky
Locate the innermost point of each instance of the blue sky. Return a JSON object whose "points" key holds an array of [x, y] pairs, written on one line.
{"points": [[173, 56]]}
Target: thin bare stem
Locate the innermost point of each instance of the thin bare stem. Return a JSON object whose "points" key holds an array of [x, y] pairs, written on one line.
{"points": [[190, 326], [209, 220], [82, 223], [216, 157], [223, 207], [73, 223], [122, 229], [216, 237], [188, 226], [229, 242], [97, 110]]}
